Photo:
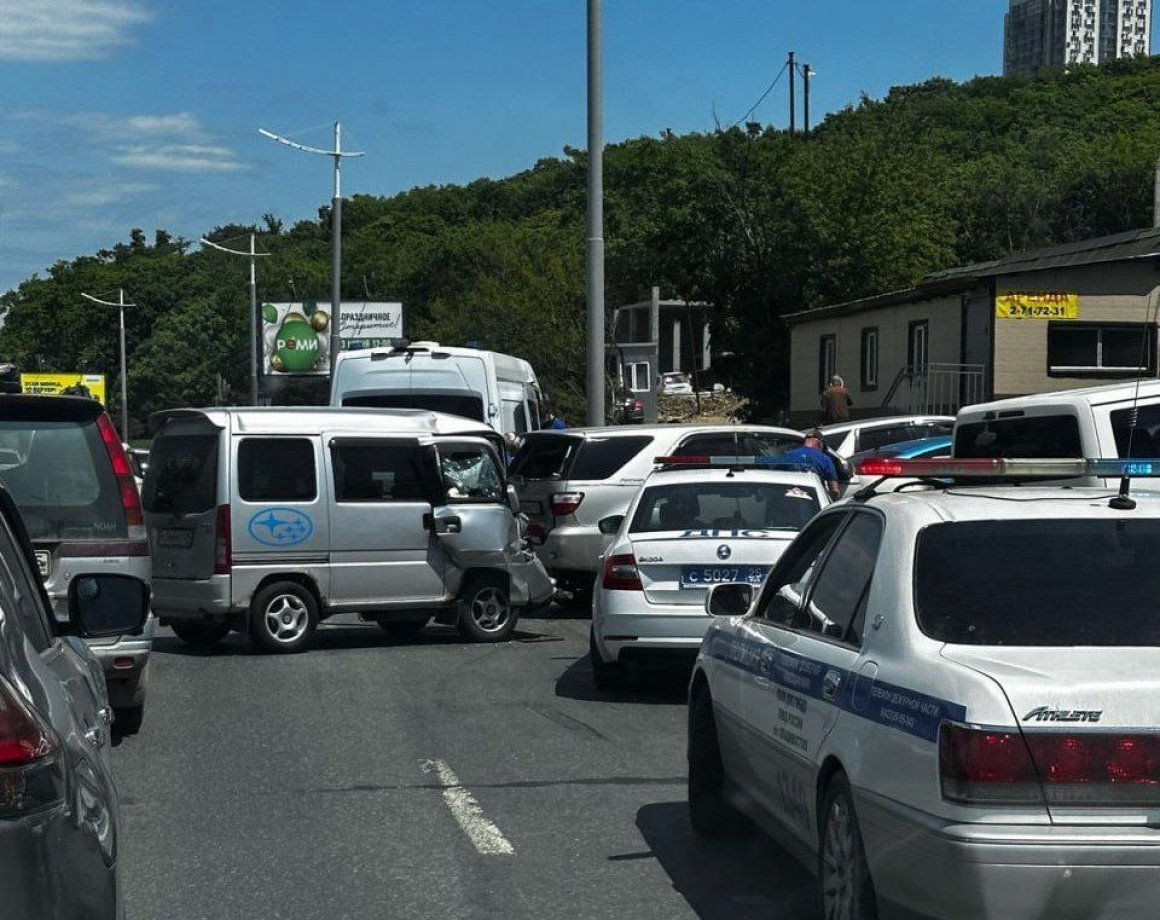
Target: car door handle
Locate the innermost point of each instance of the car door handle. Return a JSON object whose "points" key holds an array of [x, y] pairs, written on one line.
{"points": [[95, 736], [830, 684], [448, 525], [105, 715]]}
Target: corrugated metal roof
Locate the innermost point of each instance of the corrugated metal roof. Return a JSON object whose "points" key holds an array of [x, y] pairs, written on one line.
{"points": [[1119, 247]]}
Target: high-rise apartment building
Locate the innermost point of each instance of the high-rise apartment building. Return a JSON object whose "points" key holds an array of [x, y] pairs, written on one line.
{"points": [[1057, 33]]}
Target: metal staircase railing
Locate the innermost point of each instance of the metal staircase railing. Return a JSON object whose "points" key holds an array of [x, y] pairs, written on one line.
{"points": [[936, 389]]}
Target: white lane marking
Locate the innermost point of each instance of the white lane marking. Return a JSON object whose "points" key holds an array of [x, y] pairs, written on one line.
{"points": [[485, 836]]}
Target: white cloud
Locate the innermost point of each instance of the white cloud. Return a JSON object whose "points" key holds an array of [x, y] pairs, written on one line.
{"points": [[102, 195], [66, 30], [179, 157]]}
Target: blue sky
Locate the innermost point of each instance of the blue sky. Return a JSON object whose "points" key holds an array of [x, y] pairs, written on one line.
{"points": [[124, 113]]}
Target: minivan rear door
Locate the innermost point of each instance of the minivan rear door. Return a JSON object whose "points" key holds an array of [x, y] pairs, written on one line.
{"points": [[180, 497], [472, 521]]}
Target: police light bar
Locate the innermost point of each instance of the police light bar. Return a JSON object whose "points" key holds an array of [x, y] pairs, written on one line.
{"points": [[731, 460], [1049, 468]]}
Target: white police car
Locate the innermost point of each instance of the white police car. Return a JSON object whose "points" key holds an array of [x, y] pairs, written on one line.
{"points": [[696, 522], [946, 700]]}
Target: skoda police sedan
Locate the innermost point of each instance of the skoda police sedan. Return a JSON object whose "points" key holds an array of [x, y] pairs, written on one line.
{"points": [[946, 701], [698, 522]]}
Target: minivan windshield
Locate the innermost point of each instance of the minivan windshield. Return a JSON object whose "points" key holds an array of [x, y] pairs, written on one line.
{"points": [[466, 405], [61, 477], [1095, 582], [724, 506]]}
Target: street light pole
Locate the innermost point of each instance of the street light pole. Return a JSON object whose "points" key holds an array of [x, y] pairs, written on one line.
{"points": [[253, 255], [596, 409], [336, 224], [120, 305]]}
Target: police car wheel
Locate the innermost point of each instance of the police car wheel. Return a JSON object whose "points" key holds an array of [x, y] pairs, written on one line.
{"points": [[709, 813], [486, 613], [203, 635], [605, 675], [283, 617], [844, 885]]}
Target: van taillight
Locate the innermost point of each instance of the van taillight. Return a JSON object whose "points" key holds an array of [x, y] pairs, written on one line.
{"points": [[983, 767], [126, 484], [223, 544], [566, 503], [30, 775], [621, 573]]}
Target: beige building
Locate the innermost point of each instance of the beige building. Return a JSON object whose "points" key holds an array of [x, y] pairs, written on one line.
{"points": [[1050, 319]]}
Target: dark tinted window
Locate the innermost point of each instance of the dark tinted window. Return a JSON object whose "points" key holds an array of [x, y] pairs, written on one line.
{"points": [[19, 595], [781, 598], [544, 457], [737, 444], [1095, 582], [1145, 440], [872, 438], [379, 473], [61, 477], [724, 506], [276, 470], [600, 458], [1028, 437], [835, 439], [182, 474], [844, 584], [466, 405]]}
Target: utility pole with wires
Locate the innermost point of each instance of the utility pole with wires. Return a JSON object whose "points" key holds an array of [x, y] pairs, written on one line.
{"points": [[336, 221], [595, 363], [792, 66], [120, 304], [253, 256], [807, 72]]}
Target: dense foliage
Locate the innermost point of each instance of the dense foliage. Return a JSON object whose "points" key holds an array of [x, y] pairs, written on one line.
{"points": [[759, 223]]}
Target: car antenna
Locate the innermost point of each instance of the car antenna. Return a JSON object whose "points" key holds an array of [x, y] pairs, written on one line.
{"points": [[1123, 501]]}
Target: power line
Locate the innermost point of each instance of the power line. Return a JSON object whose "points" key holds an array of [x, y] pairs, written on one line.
{"points": [[769, 89]]}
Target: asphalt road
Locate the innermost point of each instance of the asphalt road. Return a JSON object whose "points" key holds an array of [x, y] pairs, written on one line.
{"points": [[425, 778]]}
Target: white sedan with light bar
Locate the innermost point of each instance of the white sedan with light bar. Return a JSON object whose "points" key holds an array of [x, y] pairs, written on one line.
{"points": [[944, 699], [696, 522]]}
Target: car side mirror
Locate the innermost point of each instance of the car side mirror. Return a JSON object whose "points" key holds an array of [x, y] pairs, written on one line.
{"points": [[107, 605], [513, 499], [611, 524], [732, 599]]}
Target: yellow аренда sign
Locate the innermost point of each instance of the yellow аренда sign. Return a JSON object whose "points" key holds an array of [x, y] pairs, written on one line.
{"points": [[90, 385], [1022, 305]]}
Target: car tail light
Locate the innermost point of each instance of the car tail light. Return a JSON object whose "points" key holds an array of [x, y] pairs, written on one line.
{"points": [[985, 767], [30, 776], [222, 542], [126, 484], [564, 503], [1097, 769], [621, 573]]}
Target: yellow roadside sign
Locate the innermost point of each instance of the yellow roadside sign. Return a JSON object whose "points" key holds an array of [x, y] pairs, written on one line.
{"points": [[1025, 305], [91, 385]]}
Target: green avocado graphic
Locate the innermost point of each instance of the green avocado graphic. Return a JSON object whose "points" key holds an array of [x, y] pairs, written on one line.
{"points": [[297, 346], [269, 313]]}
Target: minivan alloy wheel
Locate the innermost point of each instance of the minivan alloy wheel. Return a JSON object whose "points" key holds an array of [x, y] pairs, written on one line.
{"points": [[490, 609], [287, 618]]}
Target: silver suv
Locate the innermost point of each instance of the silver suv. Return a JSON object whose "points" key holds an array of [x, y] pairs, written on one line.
{"points": [[570, 480], [65, 467]]}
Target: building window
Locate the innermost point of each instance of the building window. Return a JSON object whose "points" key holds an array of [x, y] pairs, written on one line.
{"points": [[827, 360], [917, 346], [870, 358], [1108, 350], [639, 378]]}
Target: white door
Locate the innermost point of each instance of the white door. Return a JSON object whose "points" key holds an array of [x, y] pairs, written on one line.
{"points": [[381, 549]]}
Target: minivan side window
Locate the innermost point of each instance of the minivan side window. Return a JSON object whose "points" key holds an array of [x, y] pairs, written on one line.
{"points": [[276, 470], [378, 473], [470, 475]]}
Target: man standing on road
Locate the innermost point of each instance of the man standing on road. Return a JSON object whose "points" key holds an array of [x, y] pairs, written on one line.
{"points": [[836, 402], [812, 454]]}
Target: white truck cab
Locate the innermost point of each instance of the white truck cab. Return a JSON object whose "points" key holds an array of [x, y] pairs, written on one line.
{"points": [[497, 389]]}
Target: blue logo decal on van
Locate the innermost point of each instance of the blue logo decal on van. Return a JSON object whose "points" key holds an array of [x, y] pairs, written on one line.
{"points": [[281, 527]]}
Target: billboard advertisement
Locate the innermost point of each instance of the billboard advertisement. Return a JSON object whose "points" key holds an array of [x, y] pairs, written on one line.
{"points": [[296, 336], [65, 384]]}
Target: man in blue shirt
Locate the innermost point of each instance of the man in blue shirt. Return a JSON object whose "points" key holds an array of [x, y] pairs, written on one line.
{"points": [[813, 455]]}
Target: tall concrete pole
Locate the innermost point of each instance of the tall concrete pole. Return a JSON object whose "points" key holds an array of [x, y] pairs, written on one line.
{"points": [[792, 92], [120, 304], [596, 408], [253, 256], [336, 265], [1156, 198]]}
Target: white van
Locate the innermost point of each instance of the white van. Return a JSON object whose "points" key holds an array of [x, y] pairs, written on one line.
{"points": [[489, 387], [1093, 422], [268, 520]]}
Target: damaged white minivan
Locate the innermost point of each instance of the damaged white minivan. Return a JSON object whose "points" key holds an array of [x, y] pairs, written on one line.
{"points": [[267, 521]]}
